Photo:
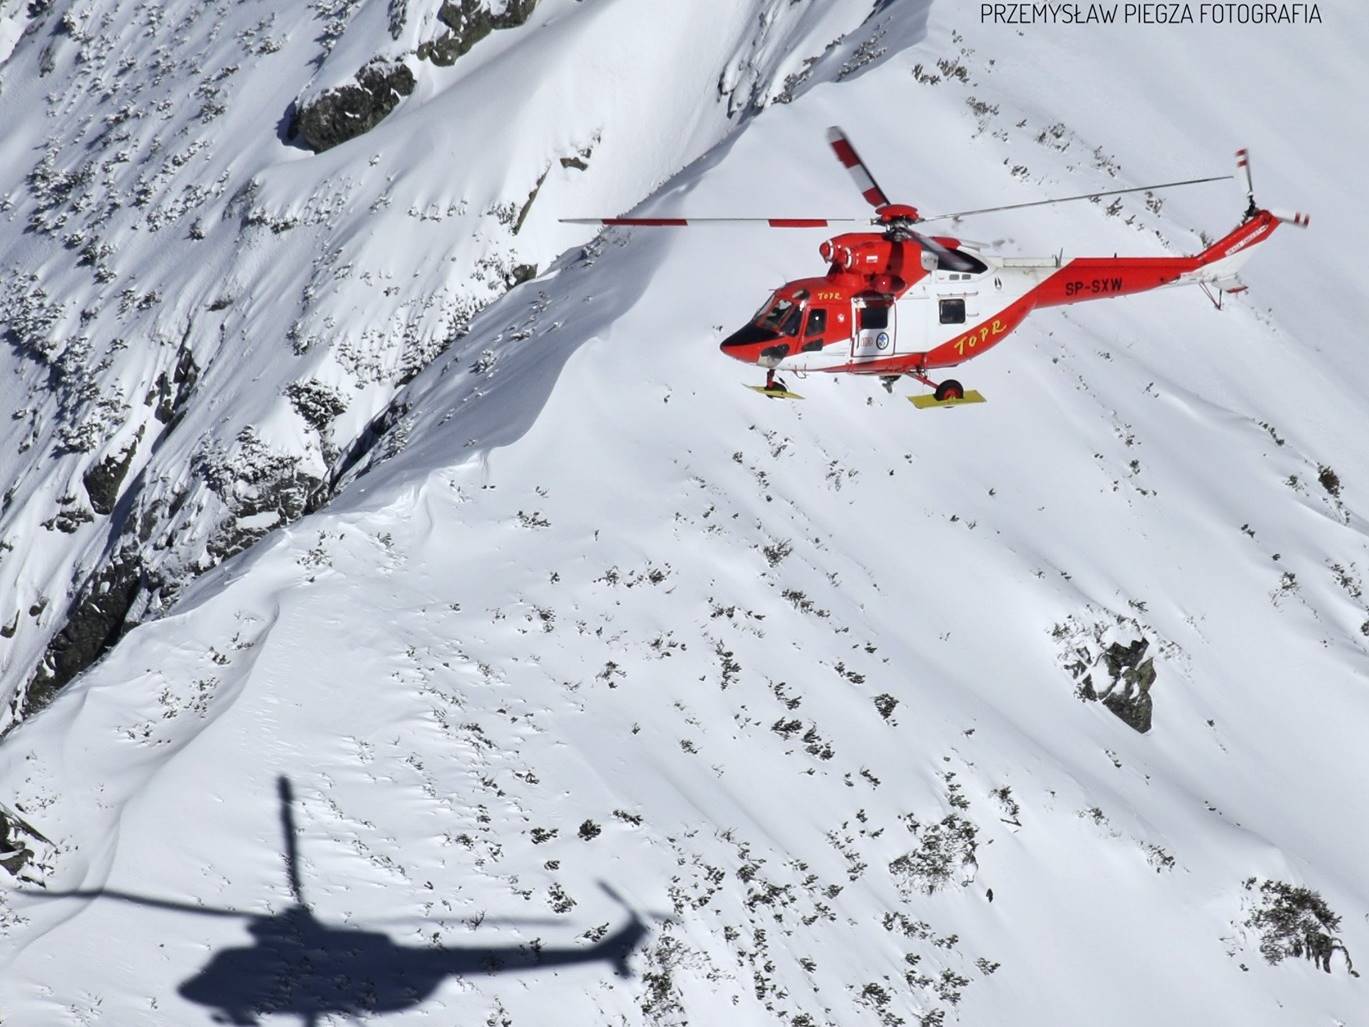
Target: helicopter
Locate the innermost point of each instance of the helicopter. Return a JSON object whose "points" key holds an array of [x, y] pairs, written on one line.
{"points": [[298, 964], [896, 302]]}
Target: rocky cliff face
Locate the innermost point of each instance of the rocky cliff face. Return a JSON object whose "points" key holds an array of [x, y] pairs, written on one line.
{"points": [[203, 323]]}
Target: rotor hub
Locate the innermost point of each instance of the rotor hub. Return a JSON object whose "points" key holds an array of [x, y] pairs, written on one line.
{"points": [[892, 213]]}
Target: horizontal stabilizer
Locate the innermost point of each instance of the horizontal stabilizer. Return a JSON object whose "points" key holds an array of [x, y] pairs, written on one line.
{"points": [[1297, 218]]}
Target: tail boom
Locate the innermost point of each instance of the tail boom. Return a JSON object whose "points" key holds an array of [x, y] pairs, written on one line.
{"points": [[1092, 278]]}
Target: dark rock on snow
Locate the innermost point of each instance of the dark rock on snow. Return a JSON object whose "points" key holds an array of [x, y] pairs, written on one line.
{"points": [[103, 480], [469, 22], [349, 111]]}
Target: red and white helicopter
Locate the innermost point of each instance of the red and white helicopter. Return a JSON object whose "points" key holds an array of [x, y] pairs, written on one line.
{"points": [[896, 302]]}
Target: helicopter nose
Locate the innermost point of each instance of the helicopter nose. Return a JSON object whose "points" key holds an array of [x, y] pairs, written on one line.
{"points": [[746, 344]]}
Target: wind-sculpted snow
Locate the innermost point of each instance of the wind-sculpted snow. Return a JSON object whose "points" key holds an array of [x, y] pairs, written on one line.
{"points": [[606, 691]]}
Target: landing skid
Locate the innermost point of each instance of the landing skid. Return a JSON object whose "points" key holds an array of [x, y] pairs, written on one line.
{"points": [[774, 387], [928, 402], [774, 392], [949, 393]]}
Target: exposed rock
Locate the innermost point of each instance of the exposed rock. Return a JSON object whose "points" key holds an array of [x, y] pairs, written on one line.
{"points": [[527, 205], [468, 22], [349, 111], [13, 852], [519, 274], [1129, 694], [1123, 671], [95, 623], [18, 841], [172, 393], [262, 489], [69, 519], [103, 480], [579, 161]]}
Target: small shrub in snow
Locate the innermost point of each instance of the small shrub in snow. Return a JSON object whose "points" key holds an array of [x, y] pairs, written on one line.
{"points": [[1294, 921], [777, 551], [945, 854], [1011, 810], [1329, 480]]}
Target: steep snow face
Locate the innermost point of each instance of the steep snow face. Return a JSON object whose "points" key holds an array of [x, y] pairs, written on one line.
{"points": [[594, 634], [203, 319]]}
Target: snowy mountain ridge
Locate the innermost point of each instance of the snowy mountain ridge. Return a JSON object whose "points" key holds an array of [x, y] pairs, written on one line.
{"points": [[1047, 711]]}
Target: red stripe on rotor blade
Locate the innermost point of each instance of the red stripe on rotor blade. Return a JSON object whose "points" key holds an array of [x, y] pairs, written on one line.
{"points": [[797, 222], [875, 197], [845, 152], [649, 222]]}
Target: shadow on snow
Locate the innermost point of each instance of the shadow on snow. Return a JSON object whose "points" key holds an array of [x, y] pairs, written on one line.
{"points": [[297, 964]]}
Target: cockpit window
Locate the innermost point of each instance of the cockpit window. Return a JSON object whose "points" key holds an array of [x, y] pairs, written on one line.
{"points": [[783, 317]]}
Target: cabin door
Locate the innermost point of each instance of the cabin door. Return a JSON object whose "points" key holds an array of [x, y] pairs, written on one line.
{"points": [[876, 321]]}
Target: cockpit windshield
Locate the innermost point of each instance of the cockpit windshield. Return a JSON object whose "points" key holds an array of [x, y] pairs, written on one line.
{"points": [[782, 315]]}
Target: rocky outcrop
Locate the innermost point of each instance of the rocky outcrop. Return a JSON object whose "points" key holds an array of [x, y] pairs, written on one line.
{"points": [[349, 111], [1128, 695], [104, 479], [94, 624], [467, 23], [1108, 670], [20, 845]]}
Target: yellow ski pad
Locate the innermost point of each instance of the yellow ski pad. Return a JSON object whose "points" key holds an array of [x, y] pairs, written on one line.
{"points": [[774, 393], [927, 402]]}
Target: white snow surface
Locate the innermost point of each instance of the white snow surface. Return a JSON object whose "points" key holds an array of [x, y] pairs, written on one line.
{"points": [[586, 580]]}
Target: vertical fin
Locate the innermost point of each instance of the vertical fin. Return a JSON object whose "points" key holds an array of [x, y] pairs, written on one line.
{"points": [[1243, 174]]}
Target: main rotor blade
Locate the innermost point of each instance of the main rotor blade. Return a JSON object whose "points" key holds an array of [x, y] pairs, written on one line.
{"points": [[850, 160], [683, 222], [138, 900], [1068, 199]]}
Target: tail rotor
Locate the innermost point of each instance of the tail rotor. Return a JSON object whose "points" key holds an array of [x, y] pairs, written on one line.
{"points": [[1295, 218]]}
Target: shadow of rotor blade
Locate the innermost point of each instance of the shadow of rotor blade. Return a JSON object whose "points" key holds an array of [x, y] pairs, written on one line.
{"points": [[138, 900], [475, 923], [287, 826]]}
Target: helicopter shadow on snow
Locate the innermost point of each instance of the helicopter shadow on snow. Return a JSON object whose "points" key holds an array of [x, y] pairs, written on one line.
{"points": [[300, 965]]}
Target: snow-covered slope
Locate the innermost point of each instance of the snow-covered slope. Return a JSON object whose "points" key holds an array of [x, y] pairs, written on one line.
{"points": [[203, 321], [592, 634]]}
